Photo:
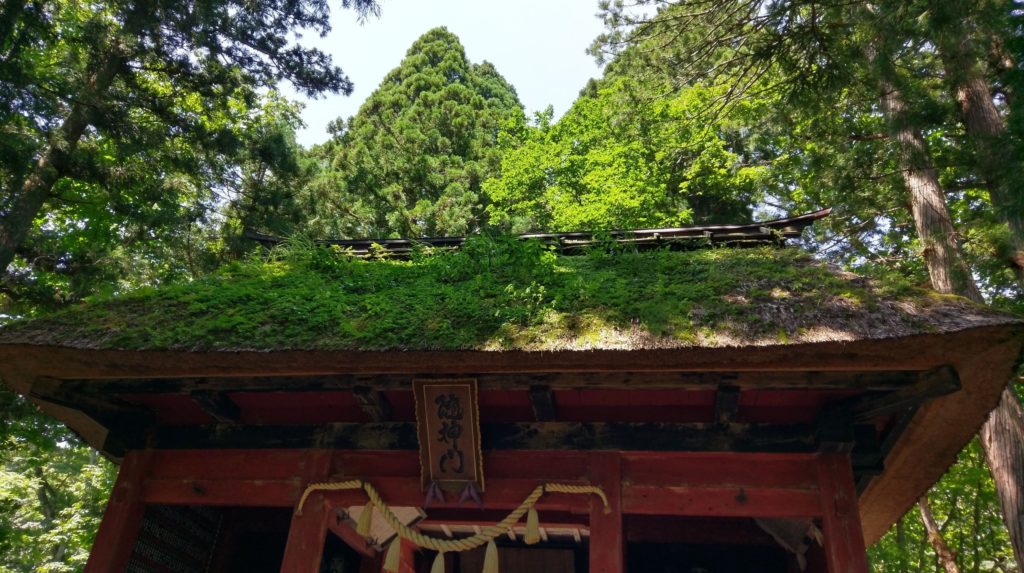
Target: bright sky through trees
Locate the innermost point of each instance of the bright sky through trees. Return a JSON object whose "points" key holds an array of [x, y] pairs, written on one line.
{"points": [[537, 45]]}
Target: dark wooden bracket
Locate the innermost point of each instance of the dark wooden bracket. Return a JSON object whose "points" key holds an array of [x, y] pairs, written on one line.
{"points": [[123, 420], [835, 430], [543, 402], [727, 405], [217, 405], [373, 402], [930, 384]]}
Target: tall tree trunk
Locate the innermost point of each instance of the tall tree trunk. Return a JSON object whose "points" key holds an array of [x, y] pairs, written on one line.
{"points": [[1002, 436], [27, 199], [946, 556], [976, 526], [943, 256], [8, 19], [947, 269], [901, 546], [997, 161], [1002, 439]]}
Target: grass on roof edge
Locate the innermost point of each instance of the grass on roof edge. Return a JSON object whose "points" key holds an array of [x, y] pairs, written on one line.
{"points": [[494, 293]]}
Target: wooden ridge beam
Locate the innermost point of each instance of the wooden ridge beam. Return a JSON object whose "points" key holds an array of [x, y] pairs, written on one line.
{"points": [[767, 232], [559, 436]]}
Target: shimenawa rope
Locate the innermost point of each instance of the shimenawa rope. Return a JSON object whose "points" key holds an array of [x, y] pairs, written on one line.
{"points": [[487, 534]]}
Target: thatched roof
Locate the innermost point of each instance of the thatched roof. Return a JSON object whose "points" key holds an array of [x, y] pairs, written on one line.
{"points": [[509, 296]]}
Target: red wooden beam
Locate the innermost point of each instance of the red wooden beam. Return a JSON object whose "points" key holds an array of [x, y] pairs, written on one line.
{"points": [[758, 470], [844, 540], [115, 539], [732, 501], [305, 546], [696, 484], [306, 536], [227, 464], [407, 559], [651, 468], [222, 492], [607, 542], [346, 533]]}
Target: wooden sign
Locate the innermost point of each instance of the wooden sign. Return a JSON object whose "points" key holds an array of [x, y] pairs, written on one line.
{"points": [[448, 428]]}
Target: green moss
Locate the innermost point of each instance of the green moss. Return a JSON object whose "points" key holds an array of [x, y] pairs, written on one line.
{"points": [[494, 293]]}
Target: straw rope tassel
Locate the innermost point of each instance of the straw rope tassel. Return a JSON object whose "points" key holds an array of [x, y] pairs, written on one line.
{"points": [[491, 558], [438, 566], [365, 522], [393, 558], [532, 527]]}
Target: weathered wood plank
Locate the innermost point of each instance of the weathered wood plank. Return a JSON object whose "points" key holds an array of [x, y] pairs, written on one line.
{"points": [[819, 380]]}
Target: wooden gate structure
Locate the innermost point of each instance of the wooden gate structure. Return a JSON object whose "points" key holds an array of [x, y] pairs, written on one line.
{"points": [[708, 448]]}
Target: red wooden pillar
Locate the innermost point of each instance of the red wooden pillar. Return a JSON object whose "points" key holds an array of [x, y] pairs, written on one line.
{"points": [[607, 542], [306, 536], [407, 561], [844, 540], [115, 539]]}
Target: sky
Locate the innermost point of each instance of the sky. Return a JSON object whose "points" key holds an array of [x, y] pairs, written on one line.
{"points": [[539, 46]]}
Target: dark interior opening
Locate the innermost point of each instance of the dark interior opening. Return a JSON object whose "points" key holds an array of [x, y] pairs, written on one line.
{"points": [[339, 557], [684, 558], [513, 558], [203, 539], [252, 540], [678, 544]]}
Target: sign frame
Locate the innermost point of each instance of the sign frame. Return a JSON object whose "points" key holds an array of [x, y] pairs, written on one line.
{"points": [[448, 409]]}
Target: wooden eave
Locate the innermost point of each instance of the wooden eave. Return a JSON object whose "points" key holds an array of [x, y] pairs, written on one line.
{"points": [[984, 357]]}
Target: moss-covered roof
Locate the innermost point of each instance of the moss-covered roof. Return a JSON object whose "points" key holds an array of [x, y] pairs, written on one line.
{"points": [[496, 294]]}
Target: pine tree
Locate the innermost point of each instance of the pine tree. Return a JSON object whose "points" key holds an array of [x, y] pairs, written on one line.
{"points": [[412, 160]]}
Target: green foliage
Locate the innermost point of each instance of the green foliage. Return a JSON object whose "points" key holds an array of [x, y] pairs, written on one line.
{"points": [[622, 159], [967, 510], [53, 490], [142, 152], [412, 161]]}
